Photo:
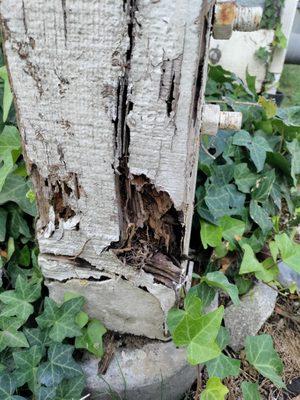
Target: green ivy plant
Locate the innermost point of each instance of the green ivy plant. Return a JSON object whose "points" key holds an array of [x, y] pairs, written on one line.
{"points": [[247, 209], [38, 337], [247, 185], [271, 15], [271, 20]]}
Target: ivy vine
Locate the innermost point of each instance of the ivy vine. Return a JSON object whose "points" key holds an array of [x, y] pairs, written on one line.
{"points": [[247, 204]]}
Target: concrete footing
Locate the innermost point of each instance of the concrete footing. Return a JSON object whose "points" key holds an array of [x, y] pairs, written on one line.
{"points": [[154, 371]]}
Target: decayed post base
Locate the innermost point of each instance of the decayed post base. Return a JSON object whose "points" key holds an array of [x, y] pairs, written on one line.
{"points": [[109, 96]]}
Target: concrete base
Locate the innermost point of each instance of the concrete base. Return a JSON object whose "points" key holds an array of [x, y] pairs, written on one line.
{"points": [[155, 371]]}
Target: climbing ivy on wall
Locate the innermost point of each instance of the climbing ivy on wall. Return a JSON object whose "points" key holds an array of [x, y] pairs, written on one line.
{"points": [[271, 15], [271, 20]]}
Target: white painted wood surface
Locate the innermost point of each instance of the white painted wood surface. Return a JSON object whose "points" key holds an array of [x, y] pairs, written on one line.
{"points": [[100, 84], [238, 53]]}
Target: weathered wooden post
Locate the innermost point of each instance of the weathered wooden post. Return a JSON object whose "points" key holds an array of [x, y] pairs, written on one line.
{"points": [[109, 97]]}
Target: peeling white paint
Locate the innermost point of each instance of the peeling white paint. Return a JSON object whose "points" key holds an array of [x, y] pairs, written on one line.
{"points": [[66, 65]]}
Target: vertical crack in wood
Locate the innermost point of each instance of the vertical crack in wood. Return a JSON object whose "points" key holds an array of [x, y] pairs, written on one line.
{"points": [[206, 17], [63, 4], [170, 83], [24, 17], [171, 97], [151, 228], [199, 76]]}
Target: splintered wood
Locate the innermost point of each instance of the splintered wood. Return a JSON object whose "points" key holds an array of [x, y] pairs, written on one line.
{"points": [[109, 96]]}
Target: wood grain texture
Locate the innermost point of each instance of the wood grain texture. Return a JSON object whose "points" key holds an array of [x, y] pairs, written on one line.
{"points": [[99, 85]]}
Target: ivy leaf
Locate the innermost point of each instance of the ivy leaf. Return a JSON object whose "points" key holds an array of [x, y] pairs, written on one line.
{"points": [[289, 251], [15, 189], [266, 271], [174, 317], [269, 107], [214, 390], [250, 79], [249, 263], [236, 199], [257, 145], [222, 250], [189, 324], [91, 338], [203, 333], [211, 235], [223, 338], [222, 174], [290, 115], [294, 149], [219, 280], [192, 305], [71, 389], [206, 214], [250, 391], [45, 393], [243, 284], [3, 218], [260, 216], [60, 365], [26, 362], [242, 138], [10, 248], [269, 271], [199, 351], [81, 319], [258, 151], [204, 292], [8, 387], [178, 320], [220, 142], [7, 95], [9, 334], [217, 200], [61, 320], [274, 250], [17, 302], [261, 354], [276, 195], [280, 39], [263, 186], [232, 228], [244, 178], [197, 332], [17, 224], [37, 337], [280, 162], [223, 366], [10, 149], [263, 54], [24, 257]]}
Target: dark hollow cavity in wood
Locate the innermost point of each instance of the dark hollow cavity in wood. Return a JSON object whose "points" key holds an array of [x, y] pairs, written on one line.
{"points": [[151, 228]]}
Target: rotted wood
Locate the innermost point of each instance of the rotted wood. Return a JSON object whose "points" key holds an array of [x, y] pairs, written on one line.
{"points": [[109, 97]]}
